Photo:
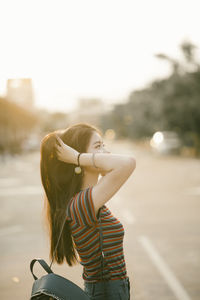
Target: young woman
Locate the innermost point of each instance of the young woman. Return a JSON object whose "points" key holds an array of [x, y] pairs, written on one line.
{"points": [[71, 162]]}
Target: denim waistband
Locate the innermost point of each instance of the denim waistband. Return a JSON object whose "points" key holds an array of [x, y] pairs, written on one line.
{"points": [[107, 282], [108, 285]]}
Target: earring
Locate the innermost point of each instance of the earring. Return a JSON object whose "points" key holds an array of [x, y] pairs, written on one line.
{"points": [[78, 169]]}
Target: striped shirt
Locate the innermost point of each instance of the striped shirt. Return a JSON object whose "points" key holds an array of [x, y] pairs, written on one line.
{"points": [[84, 228]]}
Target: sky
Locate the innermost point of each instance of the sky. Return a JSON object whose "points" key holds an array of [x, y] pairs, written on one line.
{"points": [[101, 49]]}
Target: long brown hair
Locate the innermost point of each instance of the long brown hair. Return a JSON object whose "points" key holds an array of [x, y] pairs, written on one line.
{"points": [[60, 184]]}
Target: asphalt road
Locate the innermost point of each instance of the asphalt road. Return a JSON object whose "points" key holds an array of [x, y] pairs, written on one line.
{"points": [[159, 207]]}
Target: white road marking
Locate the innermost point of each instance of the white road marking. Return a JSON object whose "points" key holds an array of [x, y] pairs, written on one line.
{"points": [[128, 216], [16, 279], [165, 271], [195, 191], [5, 182], [22, 190], [10, 230]]}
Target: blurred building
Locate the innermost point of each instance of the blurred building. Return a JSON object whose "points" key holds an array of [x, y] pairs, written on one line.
{"points": [[20, 91], [89, 110]]}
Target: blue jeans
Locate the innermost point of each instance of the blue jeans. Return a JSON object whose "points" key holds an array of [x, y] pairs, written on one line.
{"points": [[108, 290]]}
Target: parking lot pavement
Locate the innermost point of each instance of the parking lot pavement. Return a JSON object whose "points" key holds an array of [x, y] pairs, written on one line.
{"points": [[158, 207]]}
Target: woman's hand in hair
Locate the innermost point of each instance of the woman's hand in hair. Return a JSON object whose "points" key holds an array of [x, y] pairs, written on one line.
{"points": [[66, 153]]}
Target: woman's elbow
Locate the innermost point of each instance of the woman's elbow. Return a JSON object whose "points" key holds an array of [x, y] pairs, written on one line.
{"points": [[131, 163]]}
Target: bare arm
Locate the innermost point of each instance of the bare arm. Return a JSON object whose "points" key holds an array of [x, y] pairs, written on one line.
{"points": [[117, 167], [104, 161]]}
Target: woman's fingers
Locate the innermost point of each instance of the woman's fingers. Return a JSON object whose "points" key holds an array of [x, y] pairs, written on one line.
{"points": [[59, 141], [64, 152], [58, 147], [59, 155]]}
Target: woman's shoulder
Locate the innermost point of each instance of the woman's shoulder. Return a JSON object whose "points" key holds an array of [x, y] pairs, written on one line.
{"points": [[81, 207]]}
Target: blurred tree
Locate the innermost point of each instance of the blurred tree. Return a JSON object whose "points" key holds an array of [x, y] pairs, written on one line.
{"points": [[188, 50], [181, 99], [16, 124], [173, 62], [172, 103]]}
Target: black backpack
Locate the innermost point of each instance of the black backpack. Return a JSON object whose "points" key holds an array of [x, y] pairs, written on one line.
{"points": [[53, 286]]}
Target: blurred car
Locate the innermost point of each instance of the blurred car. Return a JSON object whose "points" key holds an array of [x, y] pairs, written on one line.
{"points": [[165, 142]]}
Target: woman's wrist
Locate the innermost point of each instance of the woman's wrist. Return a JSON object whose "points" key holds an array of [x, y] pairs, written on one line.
{"points": [[87, 158], [76, 158]]}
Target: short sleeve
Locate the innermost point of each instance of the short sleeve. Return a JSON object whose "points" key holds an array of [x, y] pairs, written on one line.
{"points": [[82, 208]]}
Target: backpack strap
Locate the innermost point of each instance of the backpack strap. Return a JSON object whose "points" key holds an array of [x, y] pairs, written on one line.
{"points": [[42, 263], [103, 259]]}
